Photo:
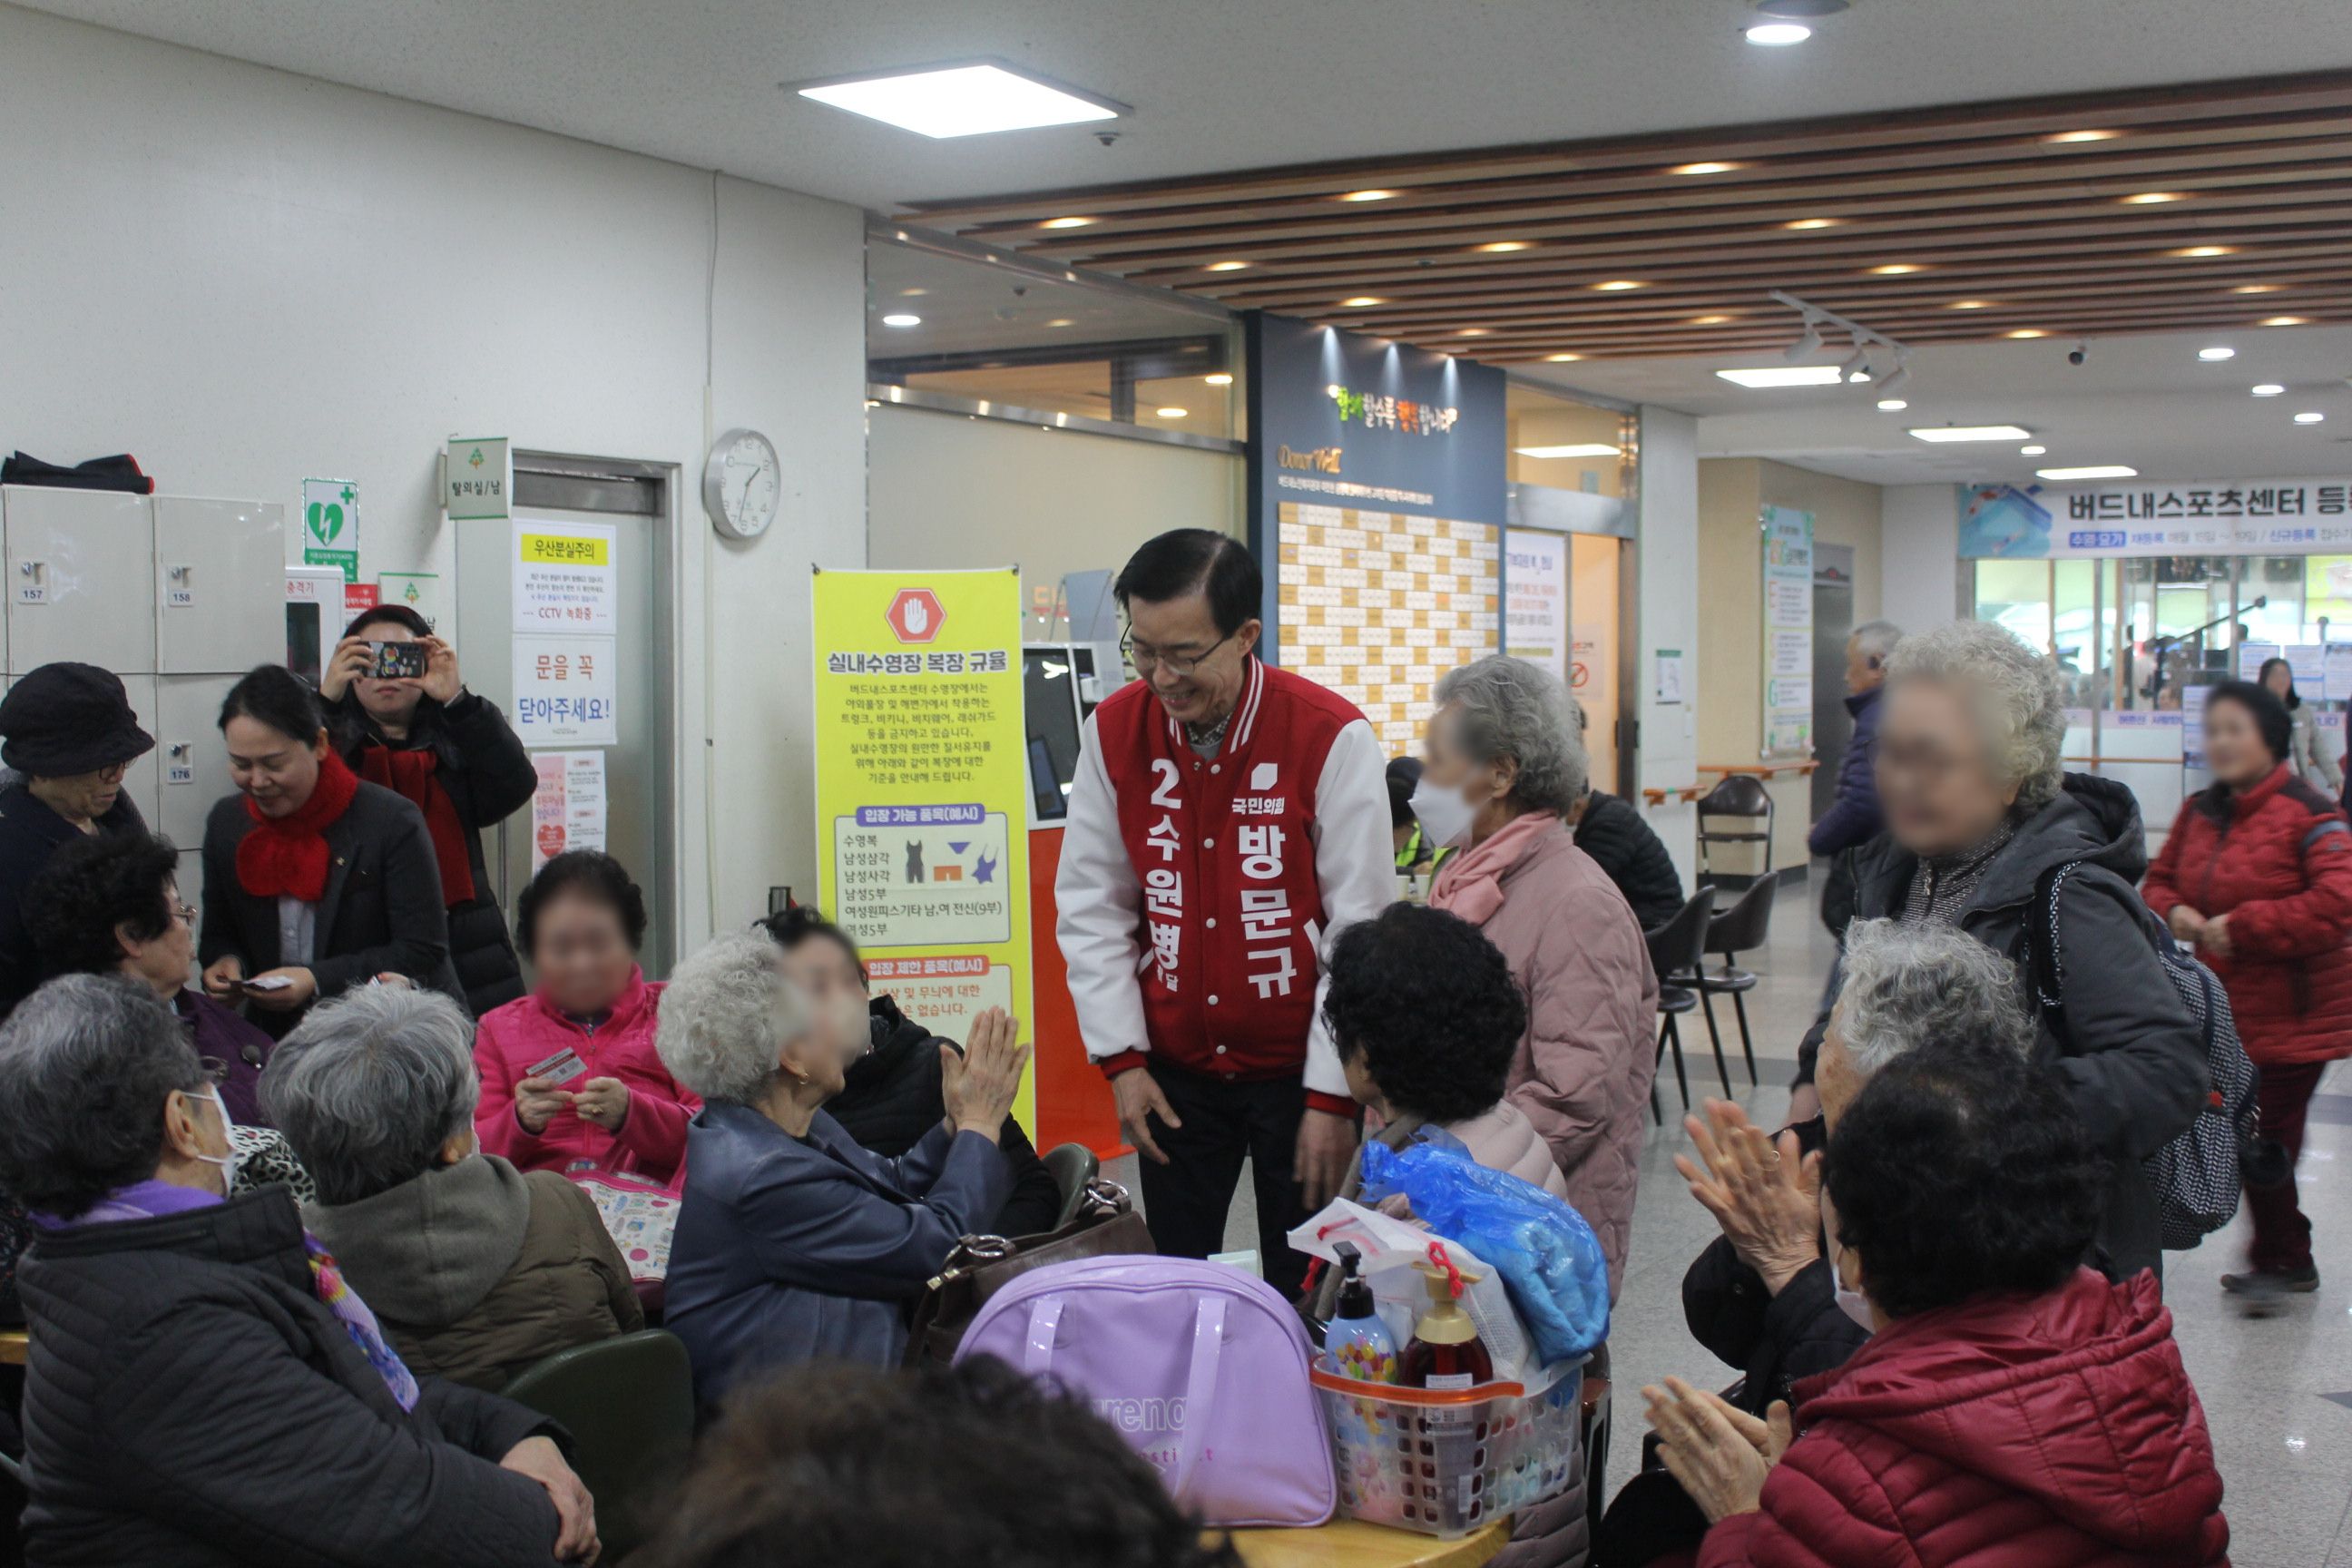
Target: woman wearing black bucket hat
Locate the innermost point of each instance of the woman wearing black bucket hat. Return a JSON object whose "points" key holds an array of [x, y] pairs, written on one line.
{"points": [[67, 733]]}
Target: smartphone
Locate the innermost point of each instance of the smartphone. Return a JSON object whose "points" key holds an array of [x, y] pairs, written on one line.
{"points": [[398, 660]]}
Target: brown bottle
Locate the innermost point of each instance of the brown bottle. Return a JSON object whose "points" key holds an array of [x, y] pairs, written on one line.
{"points": [[1445, 1353]]}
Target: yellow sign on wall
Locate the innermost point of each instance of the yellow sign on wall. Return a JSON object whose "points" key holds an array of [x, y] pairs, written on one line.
{"points": [[922, 789]]}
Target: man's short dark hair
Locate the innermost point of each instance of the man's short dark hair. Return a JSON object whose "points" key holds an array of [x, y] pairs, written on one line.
{"points": [[2264, 707], [592, 874], [1186, 561], [1956, 1171], [798, 924], [852, 1465], [1432, 1005], [90, 887]]}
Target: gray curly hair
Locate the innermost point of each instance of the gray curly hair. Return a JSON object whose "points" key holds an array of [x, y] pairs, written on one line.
{"points": [[1903, 987], [2016, 687], [1506, 707], [726, 1016]]}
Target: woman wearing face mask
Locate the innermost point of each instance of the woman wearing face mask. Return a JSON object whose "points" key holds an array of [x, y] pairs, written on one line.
{"points": [[205, 1388], [476, 1269], [793, 1243], [570, 1080], [1504, 760], [2308, 756], [452, 755], [890, 1094], [315, 881]]}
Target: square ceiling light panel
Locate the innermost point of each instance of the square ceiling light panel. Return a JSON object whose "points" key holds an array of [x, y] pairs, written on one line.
{"points": [[972, 99]]}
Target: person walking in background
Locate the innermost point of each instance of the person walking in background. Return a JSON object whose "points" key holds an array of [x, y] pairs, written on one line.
{"points": [[1853, 817], [2257, 871], [452, 756], [1224, 827], [2311, 759]]}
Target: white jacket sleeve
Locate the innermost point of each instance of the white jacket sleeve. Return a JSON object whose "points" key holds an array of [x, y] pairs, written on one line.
{"points": [[1355, 865], [1097, 903]]}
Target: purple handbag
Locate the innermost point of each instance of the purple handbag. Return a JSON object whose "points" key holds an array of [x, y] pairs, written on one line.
{"points": [[1203, 1369]]}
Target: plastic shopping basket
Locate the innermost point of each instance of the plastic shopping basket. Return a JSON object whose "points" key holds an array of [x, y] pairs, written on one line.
{"points": [[1446, 1463]]}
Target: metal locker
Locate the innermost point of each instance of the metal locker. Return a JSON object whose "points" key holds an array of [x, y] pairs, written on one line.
{"points": [[220, 586], [191, 759], [138, 778], [81, 578]]}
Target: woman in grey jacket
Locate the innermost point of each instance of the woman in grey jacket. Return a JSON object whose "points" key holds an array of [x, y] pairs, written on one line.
{"points": [[793, 1243], [2313, 759]]}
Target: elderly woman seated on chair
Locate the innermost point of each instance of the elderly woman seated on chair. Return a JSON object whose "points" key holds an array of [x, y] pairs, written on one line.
{"points": [[476, 1269]]}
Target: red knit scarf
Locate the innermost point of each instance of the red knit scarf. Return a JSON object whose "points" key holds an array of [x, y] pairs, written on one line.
{"points": [[414, 775], [287, 856]]}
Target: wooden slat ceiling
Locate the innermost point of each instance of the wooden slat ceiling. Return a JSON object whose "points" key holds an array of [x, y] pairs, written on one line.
{"points": [[2010, 225]]}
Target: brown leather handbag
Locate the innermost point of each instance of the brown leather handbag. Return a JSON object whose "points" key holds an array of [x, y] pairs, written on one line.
{"points": [[1107, 1226]]}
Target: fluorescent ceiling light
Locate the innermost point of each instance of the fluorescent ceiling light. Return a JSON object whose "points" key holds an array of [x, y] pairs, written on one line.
{"points": [[1811, 223], [2026, 333], [942, 102], [2083, 136], [2256, 289], [2151, 198], [1173, 413], [1367, 195], [1892, 405], [1897, 270], [2094, 471], [1969, 305], [1562, 359], [1473, 333], [1769, 376], [1709, 320], [1500, 246], [902, 318], [2312, 418], [2201, 252], [1577, 449], [2287, 321], [1702, 168], [1360, 302], [1972, 433], [2031, 451], [1065, 222], [2268, 389], [1227, 266], [1220, 379], [2216, 353], [1618, 285], [1779, 34]]}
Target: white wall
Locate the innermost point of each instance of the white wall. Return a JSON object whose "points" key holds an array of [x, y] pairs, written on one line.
{"points": [[1919, 540], [1669, 545], [246, 276]]}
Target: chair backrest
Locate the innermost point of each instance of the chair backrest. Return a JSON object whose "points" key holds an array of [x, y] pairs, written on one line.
{"points": [[1679, 946], [1745, 923], [628, 1403], [1073, 1165], [1740, 794]]}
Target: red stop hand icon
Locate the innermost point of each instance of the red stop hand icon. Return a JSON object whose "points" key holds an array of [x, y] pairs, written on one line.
{"points": [[915, 615]]}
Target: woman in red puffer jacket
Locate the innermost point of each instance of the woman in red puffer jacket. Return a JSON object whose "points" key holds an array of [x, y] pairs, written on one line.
{"points": [[2257, 872]]}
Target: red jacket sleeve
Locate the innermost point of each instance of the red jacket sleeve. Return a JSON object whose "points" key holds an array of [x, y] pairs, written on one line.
{"points": [[2312, 922], [494, 1114], [1821, 1509], [2161, 886]]}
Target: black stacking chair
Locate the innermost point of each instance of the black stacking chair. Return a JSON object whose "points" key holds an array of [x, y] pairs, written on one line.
{"points": [[1741, 929], [1740, 796], [1676, 949]]}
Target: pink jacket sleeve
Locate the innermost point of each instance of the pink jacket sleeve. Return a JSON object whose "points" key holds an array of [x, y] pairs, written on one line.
{"points": [[494, 1116], [654, 1130], [1589, 1009]]}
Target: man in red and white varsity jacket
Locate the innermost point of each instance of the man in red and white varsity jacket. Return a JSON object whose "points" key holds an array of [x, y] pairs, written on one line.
{"points": [[1227, 819]]}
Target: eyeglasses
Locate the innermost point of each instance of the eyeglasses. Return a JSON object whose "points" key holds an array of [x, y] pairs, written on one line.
{"points": [[186, 911], [1144, 656]]}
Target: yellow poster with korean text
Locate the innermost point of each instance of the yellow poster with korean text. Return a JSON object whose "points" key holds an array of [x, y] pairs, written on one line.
{"points": [[922, 790]]}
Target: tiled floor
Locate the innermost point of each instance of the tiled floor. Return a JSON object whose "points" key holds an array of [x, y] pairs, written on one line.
{"points": [[2284, 1444]]}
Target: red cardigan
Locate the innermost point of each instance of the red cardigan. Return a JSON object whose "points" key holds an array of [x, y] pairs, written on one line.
{"points": [[2007, 1432], [2277, 859], [651, 1143]]}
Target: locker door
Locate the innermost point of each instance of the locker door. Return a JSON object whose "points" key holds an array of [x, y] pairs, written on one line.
{"points": [[192, 761], [81, 579], [220, 585], [138, 778]]}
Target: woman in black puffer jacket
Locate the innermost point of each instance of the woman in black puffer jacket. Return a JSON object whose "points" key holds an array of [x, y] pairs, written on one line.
{"points": [[453, 755]]}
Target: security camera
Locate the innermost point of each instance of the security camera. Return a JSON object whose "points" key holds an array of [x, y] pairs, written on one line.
{"points": [[1107, 137], [2079, 353], [1021, 290]]}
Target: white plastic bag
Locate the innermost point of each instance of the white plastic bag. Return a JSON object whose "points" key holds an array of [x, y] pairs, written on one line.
{"points": [[1388, 1248]]}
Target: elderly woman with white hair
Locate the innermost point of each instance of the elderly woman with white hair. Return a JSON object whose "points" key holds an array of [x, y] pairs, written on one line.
{"points": [[1505, 758], [476, 1269], [795, 1244], [1988, 833]]}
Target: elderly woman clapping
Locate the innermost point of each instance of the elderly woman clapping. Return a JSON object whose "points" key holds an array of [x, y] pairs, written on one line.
{"points": [[795, 1244], [1987, 832], [1505, 758], [476, 1269], [206, 1387]]}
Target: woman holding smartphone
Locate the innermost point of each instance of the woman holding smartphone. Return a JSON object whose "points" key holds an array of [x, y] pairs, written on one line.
{"points": [[315, 881], [401, 716]]}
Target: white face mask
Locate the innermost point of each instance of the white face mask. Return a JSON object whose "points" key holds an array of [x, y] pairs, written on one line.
{"points": [[1853, 1303], [1445, 814], [229, 1162]]}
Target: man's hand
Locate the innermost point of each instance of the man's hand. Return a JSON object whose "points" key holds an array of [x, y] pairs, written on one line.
{"points": [[1766, 1199], [542, 1461], [1139, 1100], [1327, 1147], [536, 1103], [604, 1101]]}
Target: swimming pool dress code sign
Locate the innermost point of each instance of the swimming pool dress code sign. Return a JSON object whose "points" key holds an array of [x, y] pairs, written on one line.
{"points": [[922, 788]]}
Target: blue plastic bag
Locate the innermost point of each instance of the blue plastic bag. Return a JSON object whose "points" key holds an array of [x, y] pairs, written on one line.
{"points": [[1548, 1257]]}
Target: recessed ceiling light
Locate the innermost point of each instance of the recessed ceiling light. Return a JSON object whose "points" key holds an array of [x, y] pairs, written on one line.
{"points": [[2287, 321], [1227, 266], [1770, 375], [1562, 359], [1220, 379], [1367, 195], [2083, 136], [1359, 301], [1969, 305], [942, 102], [2256, 289], [1473, 333], [1898, 268], [1711, 320], [1971, 433], [1061, 322], [1779, 34], [1065, 222], [1702, 168], [1172, 413], [1892, 405], [2202, 251], [2311, 418], [2268, 389], [2216, 353], [1577, 449], [2091, 472], [912, 293], [902, 318], [2031, 451], [1812, 223], [2026, 333], [1498, 246], [1618, 285], [2152, 198]]}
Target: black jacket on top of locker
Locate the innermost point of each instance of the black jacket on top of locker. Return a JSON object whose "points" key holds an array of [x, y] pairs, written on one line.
{"points": [[481, 763]]}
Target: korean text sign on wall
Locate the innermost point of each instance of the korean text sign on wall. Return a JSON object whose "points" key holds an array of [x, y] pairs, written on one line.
{"points": [[2222, 516]]}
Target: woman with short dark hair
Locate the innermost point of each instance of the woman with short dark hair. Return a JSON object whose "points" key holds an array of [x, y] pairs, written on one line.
{"points": [[2257, 871], [315, 881], [2011, 1405]]}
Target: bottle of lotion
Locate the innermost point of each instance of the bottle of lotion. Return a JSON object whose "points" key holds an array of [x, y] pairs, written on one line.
{"points": [[1357, 1344], [1446, 1352]]}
